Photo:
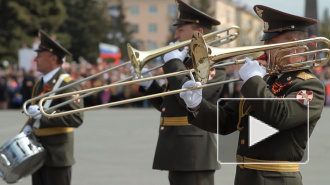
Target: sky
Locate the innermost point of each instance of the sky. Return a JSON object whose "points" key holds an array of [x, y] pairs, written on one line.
{"points": [[296, 7]]}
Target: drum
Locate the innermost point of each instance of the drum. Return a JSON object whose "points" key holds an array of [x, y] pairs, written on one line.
{"points": [[21, 156]]}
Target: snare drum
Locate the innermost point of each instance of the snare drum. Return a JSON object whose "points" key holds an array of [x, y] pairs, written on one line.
{"points": [[21, 156]]}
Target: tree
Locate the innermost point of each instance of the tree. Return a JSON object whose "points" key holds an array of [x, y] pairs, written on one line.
{"points": [[120, 31], [21, 20], [203, 6], [325, 24], [87, 25]]}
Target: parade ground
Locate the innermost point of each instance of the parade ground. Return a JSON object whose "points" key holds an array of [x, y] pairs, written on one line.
{"points": [[115, 146]]}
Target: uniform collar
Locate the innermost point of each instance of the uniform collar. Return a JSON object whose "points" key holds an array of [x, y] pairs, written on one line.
{"points": [[50, 75], [285, 78]]}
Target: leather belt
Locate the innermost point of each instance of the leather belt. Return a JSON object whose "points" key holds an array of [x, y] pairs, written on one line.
{"points": [[277, 166], [174, 121], [52, 131]]}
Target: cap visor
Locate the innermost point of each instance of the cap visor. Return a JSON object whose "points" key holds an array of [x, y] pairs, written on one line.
{"points": [[268, 36], [176, 23], [39, 49]]}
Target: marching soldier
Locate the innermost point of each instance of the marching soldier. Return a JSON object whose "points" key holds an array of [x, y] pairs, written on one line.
{"points": [[288, 116], [56, 134], [187, 152]]}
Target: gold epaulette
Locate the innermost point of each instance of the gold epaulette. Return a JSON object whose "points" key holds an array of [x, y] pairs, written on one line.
{"points": [[303, 75], [68, 79]]}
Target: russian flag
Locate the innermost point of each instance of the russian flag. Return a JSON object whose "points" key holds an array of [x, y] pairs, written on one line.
{"points": [[109, 51]]}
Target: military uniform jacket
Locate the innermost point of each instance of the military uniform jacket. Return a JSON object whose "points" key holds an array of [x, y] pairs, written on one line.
{"points": [[60, 146], [183, 148], [288, 116]]}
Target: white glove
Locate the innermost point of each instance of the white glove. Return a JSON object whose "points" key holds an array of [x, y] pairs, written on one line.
{"points": [[145, 84], [250, 69], [34, 109], [191, 98], [27, 129], [176, 54]]}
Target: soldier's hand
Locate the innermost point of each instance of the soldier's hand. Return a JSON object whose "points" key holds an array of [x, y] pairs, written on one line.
{"points": [[191, 98], [145, 84], [176, 54], [34, 109], [250, 69]]}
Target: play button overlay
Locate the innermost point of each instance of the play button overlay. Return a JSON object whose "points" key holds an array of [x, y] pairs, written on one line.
{"points": [[259, 131], [255, 132]]}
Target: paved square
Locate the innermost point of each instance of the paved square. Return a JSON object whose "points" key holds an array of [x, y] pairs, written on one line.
{"points": [[116, 147]]}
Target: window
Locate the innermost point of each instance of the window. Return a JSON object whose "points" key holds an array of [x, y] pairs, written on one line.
{"points": [[135, 28], [172, 10], [134, 10], [113, 11], [152, 45], [152, 28], [153, 10]]}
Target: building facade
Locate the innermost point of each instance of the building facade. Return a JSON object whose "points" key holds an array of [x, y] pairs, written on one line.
{"points": [[152, 21]]}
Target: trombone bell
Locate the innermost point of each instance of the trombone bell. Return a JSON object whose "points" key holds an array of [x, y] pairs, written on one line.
{"points": [[201, 62], [134, 56]]}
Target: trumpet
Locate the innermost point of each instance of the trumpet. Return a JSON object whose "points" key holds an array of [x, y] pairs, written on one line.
{"points": [[138, 59], [205, 57]]}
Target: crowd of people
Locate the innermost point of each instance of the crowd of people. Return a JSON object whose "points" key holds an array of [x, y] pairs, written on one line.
{"points": [[16, 84]]}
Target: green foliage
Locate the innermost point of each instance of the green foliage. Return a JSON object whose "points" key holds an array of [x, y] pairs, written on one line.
{"points": [[120, 31], [86, 24], [203, 6], [21, 20], [79, 25], [325, 24]]}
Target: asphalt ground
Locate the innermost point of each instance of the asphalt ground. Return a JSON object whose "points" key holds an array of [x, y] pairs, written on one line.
{"points": [[115, 146]]}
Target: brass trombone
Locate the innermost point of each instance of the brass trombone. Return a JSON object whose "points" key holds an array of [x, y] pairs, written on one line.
{"points": [[204, 57], [138, 59]]}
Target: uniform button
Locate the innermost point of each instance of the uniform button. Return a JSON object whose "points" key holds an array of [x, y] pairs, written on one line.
{"points": [[163, 109], [161, 128], [242, 141]]}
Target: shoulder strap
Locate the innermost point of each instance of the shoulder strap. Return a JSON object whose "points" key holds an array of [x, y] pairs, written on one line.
{"points": [[36, 124], [56, 86]]}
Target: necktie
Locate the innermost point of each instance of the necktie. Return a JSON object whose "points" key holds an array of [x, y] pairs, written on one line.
{"points": [[41, 84]]}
